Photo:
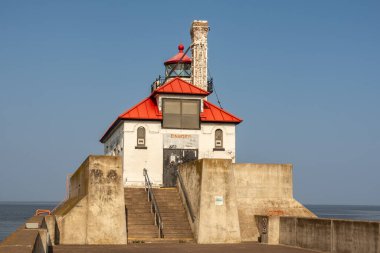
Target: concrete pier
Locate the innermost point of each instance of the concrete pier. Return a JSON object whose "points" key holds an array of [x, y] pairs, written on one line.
{"points": [[182, 247]]}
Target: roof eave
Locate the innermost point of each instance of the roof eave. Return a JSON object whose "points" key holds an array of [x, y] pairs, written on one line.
{"points": [[110, 130], [222, 121]]}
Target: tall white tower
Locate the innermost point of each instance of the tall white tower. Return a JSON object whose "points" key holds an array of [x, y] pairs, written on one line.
{"points": [[199, 30]]}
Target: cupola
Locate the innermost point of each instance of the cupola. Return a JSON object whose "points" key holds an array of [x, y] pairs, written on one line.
{"points": [[179, 65]]}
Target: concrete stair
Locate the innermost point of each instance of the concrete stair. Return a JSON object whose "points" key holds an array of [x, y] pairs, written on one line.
{"points": [[140, 221], [173, 213]]}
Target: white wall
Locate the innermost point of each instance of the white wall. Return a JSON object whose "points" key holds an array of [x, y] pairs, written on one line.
{"points": [[135, 160], [114, 145]]}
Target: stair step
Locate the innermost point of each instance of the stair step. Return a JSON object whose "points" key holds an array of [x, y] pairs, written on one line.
{"points": [[161, 240], [137, 216], [141, 228], [141, 222]]}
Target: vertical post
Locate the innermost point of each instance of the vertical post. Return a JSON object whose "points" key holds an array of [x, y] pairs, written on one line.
{"points": [[198, 32], [332, 236]]}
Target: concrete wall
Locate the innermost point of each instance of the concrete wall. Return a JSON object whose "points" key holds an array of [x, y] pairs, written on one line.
{"points": [[328, 235], [135, 160], [106, 221], [264, 189], [211, 189], [191, 174], [23, 240], [79, 181], [95, 210], [252, 189], [28, 240]]}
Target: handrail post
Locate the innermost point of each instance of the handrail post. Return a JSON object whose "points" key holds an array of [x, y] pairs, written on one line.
{"points": [[187, 201], [153, 206]]}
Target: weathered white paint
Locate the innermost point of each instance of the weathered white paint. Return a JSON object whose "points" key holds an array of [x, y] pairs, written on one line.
{"points": [[199, 30], [151, 158], [114, 145]]}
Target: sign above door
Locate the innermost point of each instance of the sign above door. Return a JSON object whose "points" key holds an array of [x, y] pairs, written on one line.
{"points": [[181, 141]]}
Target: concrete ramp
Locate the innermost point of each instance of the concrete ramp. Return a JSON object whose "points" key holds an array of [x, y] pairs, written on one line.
{"points": [[94, 212]]}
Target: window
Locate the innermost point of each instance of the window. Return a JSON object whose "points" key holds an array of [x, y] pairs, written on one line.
{"points": [[182, 69], [183, 114], [141, 137], [218, 139]]}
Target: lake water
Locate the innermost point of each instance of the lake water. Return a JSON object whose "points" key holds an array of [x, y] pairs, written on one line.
{"points": [[349, 212], [14, 214]]}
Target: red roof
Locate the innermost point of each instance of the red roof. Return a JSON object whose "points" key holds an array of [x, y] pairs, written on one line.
{"points": [[179, 86], [176, 58], [213, 113], [147, 109]]}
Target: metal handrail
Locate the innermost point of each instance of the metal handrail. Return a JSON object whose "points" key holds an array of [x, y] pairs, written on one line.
{"points": [[188, 204], [153, 207]]}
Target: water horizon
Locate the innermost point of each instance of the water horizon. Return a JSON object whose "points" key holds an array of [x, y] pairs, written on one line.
{"points": [[14, 213]]}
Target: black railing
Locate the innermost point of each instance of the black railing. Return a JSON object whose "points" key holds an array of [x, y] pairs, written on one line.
{"points": [[183, 188], [157, 83], [153, 206], [161, 81]]}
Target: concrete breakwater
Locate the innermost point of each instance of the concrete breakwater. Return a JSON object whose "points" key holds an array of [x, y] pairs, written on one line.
{"points": [[326, 235], [231, 203]]}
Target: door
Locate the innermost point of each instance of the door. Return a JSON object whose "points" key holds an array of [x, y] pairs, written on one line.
{"points": [[172, 158]]}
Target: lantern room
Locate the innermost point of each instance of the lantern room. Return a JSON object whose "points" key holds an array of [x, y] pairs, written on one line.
{"points": [[179, 65]]}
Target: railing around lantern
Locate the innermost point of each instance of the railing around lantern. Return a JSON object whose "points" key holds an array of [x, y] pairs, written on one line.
{"points": [[153, 206], [161, 81]]}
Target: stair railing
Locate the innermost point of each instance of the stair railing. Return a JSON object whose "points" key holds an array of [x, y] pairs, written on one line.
{"points": [[183, 188], [153, 206]]}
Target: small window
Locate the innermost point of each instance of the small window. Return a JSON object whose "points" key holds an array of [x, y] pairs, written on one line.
{"points": [[141, 137], [181, 114], [218, 139]]}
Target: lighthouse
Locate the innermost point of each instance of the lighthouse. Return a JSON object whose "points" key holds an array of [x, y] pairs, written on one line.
{"points": [[175, 123]]}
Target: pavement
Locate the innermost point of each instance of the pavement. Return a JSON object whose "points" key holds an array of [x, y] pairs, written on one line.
{"points": [[180, 247]]}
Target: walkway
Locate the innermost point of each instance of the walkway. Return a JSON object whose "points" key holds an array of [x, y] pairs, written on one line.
{"points": [[181, 247]]}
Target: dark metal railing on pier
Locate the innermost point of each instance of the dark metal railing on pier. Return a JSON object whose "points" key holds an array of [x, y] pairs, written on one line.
{"points": [[187, 200], [153, 207]]}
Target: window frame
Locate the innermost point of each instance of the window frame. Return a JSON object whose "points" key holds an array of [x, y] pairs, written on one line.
{"points": [[181, 115], [139, 145], [221, 147]]}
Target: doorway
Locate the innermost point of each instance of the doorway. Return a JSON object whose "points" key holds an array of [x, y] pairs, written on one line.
{"points": [[172, 158]]}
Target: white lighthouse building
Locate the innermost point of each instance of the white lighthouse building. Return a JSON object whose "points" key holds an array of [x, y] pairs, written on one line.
{"points": [[175, 123]]}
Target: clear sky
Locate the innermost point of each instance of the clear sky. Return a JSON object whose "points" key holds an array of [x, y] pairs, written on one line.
{"points": [[304, 76]]}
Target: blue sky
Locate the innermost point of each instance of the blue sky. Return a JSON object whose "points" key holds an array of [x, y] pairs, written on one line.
{"points": [[304, 76]]}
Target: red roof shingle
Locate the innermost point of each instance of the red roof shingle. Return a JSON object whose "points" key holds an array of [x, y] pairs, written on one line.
{"points": [[213, 113], [176, 58], [179, 86], [146, 109]]}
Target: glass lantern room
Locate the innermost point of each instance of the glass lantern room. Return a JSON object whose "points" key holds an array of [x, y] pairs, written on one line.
{"points": [[179, 65]]}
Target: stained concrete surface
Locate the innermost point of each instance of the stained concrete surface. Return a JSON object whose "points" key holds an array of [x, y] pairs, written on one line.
{"points": [[182, 247], [95, 210], [330, 235]]}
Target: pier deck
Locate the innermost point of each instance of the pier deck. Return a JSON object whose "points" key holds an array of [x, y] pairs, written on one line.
{"points": [[181, 247]]}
